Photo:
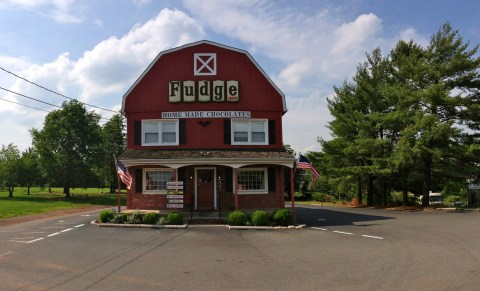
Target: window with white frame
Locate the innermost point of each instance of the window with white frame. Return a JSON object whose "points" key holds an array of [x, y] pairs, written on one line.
{"points": [[160, 132], [155, 180], [249, 131], [252, 181]]}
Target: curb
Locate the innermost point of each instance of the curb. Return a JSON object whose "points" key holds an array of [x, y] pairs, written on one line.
{"points": [[153, 226], [246, 227]]}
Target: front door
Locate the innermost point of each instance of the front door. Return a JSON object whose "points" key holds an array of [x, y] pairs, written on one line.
{"points": [[205, 189]]}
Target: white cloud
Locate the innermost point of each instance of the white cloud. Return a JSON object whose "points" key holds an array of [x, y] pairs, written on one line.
{"points": [[100, 76], [352, 35], [141, 3], [62, 11], [294, 72]]}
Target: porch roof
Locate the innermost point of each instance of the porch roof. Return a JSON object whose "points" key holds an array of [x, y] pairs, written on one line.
{"points": [[230, 158]]}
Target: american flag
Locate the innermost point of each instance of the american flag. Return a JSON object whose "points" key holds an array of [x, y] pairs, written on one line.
{"points": [[124, 174], [304, 163]]}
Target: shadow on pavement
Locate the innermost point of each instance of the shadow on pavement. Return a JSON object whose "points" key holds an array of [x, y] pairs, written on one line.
{"points": [[329, 217]]}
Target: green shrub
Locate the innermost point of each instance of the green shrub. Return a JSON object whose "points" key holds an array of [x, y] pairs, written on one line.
{"points": [[107, 215], [259, 217], [175, 218], [150, 218], [318, 196], [237, 217], [120, 218], [135, 218], [282, 216], [162, 220]]}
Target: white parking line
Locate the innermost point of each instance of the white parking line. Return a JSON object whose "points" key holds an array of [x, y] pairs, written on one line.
{"points": [[370, 236], [5, 254], [52, 234], [68, 229], [343, 232], [27, 242], [79, 225], [22, 238], [319, 228]]}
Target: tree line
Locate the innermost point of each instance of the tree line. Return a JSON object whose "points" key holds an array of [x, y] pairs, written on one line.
{"points": [[72, 150], [408, 121]]}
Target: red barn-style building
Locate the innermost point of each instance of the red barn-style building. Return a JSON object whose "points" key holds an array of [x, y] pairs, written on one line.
{"points": [[204, 132]]}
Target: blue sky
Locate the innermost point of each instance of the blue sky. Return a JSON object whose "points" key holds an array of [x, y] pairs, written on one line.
{"points": [[94, 50]]}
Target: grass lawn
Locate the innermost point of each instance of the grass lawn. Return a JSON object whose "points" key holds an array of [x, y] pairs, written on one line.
{"points": [[40, 201]]}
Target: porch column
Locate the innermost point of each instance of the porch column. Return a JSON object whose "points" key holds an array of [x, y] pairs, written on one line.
{"points": [[235, 187], [292, 188]]}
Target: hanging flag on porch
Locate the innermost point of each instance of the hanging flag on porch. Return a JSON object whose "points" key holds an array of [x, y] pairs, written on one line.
{"points": [[304, 163], [124, 174]]}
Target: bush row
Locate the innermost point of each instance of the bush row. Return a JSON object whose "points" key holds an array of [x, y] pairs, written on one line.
{"points": [[111, 216], [280, 217]]}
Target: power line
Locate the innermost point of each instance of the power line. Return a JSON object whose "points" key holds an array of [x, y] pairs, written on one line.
{"points": [[59, 94], [24, 105], [19, 94]]}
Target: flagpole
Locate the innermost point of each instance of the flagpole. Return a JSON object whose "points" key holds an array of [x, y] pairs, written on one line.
{"points": [[119, 194]]}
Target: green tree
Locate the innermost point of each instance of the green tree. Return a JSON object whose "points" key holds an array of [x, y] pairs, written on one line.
{"points": [[114, 141], [31, 174], [70, 146], [9, 167]]}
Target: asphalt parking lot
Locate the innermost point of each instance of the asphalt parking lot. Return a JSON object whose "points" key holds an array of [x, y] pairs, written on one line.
{"points": [[340, 249]]}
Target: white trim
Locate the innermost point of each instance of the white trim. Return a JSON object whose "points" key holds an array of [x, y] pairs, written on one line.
{"points": [[232, 163], [214, 185], [265, 181], [195, 44], [197, 58], [159, 123], [144, 180], [249, 122]]}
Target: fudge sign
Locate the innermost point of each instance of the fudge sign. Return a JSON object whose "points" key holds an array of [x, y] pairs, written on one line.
{"points": [[203, 91]]}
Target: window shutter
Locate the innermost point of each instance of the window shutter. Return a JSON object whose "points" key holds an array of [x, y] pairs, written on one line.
{"points": [[271, 179], [138, 180], [272, 133], [137, 132], [227, 131], [228, 179], [183, 131]]}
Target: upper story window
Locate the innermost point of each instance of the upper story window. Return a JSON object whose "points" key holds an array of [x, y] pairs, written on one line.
{"points": [[159, 132], [251, 131]]}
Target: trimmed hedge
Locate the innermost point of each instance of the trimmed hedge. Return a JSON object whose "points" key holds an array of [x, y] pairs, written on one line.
{"points": [[237, 218], [175, 218], [107, 215], [150, 218], [259, 217], [282, 216]]}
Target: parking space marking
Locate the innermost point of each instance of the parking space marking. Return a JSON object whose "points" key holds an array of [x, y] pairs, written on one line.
{"points": [[27, 242], [348, 233], [5, 254], [342, 232], [370, 236], [31, 239]]}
